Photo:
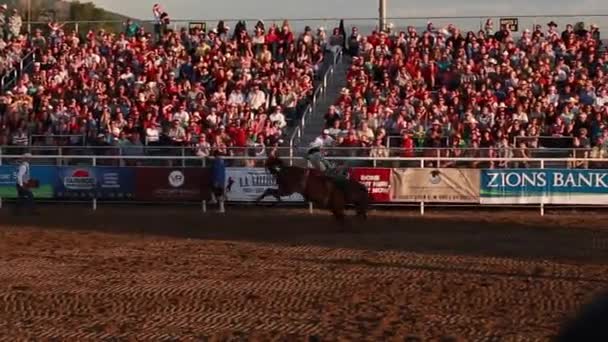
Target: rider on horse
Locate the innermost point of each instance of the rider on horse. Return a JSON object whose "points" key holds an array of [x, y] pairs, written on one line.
{"points": [[316, 158]]}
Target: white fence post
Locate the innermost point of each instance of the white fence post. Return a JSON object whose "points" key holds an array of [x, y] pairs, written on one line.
{"points": [[310, 209], [204, 206], [542, 197], [422, 208]]}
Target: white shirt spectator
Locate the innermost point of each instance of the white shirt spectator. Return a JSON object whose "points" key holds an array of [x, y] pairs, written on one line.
{"points": [[212, 119], [182, 116], [152, 134], [277, 116], [256, 99], [601, 99], [236, 98], [324, 140]]}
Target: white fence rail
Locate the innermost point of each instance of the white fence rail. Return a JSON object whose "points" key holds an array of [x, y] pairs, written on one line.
{"points": [[414, 164]]}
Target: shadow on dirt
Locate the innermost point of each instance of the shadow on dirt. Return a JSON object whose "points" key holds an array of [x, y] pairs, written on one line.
{"points": [[381, 232]]}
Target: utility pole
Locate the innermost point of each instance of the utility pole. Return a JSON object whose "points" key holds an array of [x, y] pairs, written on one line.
{"points": [[29, 16], [381, 15]]}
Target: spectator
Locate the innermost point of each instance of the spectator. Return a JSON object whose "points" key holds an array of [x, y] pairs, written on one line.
{"points": [[202, 148], [161, 21], [278, 117], [480, 91], [14, 24], [4, 20]]}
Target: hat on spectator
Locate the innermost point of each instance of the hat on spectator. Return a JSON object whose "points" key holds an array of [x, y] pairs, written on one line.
{"points": [[3, 7], [325, 131], [552, 24], [26, 155]]}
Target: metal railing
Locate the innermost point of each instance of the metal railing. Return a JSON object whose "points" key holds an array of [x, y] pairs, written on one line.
{"points": [[321, 91], [367, 24], [429, 158], [293, 151], [9, 79], [416, 162]]}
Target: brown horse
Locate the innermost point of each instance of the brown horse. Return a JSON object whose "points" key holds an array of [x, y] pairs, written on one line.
{"points": [[315, 187]]}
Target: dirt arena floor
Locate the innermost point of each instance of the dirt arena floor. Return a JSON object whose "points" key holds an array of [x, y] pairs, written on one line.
{"points": [[280, 274]]}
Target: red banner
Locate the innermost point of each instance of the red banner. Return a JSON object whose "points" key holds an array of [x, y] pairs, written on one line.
{"points": [[167, 184], [377, 181]]}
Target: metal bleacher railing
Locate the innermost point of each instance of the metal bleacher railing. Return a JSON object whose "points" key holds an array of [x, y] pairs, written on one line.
{"points": [[10, 78], [321, 91], [173, 156], [368, 24]]}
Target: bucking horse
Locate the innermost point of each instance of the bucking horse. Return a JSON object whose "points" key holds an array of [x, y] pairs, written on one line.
{"points": [[322, 190]]}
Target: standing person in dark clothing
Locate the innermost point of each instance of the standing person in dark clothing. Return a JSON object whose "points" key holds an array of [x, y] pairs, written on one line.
{"points": [[218, 179]]}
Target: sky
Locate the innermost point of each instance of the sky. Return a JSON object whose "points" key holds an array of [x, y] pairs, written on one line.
{"points": [[194, 9], [205, 10]]}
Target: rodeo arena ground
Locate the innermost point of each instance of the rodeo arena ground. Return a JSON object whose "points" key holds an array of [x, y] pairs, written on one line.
{"points": [[481, 155]]}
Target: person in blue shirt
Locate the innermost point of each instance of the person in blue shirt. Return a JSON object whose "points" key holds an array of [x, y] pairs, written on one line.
{"points": [[218, 176]]}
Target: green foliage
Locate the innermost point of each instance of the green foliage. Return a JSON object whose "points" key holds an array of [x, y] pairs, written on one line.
{"points": [[87, 11]]}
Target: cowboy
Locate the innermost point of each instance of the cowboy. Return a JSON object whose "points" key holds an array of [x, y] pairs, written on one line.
{"points": [[24, 193], [315, 157]]}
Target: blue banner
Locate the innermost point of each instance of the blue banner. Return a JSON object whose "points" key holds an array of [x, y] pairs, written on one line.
{"points": [[45, 175], [550, 186], [95, 182]]}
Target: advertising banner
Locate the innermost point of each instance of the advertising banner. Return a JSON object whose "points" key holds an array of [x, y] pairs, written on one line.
{"points": [[535, 186], [168, 184], [435, 185], [376, 180], [44, 174], [94, 182], [247, 184]]}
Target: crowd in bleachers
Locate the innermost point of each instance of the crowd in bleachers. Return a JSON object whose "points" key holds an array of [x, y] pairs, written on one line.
{"points": [[489, 92], [12, 44], [215, 89]]}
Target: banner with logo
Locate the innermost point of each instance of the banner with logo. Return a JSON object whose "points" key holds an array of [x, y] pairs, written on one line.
{"points": [[247, 184], [94, 182], [376, 180], [168, 184], [435, 185], [44, 174], [549, 186]]}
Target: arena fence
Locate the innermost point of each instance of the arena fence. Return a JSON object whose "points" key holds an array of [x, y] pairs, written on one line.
{"points": [[422, 182]]}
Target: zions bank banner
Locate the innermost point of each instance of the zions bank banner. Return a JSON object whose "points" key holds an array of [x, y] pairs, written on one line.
{"points": [[534, 186]]}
